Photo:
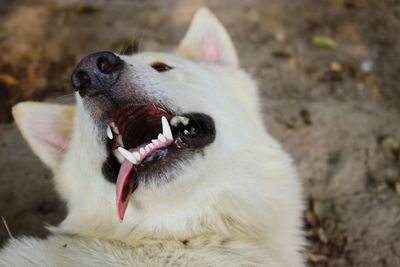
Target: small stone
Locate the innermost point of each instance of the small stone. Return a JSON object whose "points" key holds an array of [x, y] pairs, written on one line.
{"points": [[389, 144], [335, 67], [280, 36], [366, 66]]}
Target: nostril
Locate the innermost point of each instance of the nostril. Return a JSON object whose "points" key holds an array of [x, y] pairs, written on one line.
{"points": [[104, 65], [84, 79], [108, 64], [83, 82]]}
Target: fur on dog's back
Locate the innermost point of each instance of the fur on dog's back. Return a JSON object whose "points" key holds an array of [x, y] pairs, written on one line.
{"points": [[238, 203]]}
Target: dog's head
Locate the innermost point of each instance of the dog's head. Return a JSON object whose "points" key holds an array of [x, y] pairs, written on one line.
{"points": [[156, 139]]}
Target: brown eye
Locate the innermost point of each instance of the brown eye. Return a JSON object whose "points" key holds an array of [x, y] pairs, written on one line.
{"points": [[161, 67]]}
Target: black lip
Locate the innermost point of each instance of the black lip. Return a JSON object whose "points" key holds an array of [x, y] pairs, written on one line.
{"points": [[201, 132]]}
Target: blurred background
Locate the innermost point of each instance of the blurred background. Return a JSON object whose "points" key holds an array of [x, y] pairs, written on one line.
{"points": [[328, 72]]}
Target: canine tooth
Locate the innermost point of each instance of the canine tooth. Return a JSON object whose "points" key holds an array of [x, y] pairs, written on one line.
{"points": [[162, 138], [128, 155], [179, 119], [109, 132], [119, 140], [118, 155], [141, 151], [166, 128]]}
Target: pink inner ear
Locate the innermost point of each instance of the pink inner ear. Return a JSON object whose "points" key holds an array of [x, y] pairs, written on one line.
{"points": [[55, 140], [211, 53]]}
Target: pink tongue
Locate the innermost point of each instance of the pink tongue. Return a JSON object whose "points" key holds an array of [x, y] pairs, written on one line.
{"points": [[126, 184]]}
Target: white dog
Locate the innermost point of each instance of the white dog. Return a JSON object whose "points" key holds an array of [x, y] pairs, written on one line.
{"points": [[164, 161]]}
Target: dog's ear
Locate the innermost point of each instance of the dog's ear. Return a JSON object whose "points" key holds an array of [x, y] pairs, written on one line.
{"points": [[46, 127], [207, 41]]}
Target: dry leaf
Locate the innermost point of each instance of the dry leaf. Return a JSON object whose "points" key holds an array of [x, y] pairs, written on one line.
{"points": [[313, 257], [8, 80], [322, 236]]}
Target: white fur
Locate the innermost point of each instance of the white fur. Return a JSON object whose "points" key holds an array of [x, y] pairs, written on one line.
{"points": [[239, 204]]}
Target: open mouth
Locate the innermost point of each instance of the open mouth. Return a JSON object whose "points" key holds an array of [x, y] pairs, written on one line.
{"points": [[145, 138]]}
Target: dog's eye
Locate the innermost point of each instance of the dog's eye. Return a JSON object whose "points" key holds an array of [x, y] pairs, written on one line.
{"points": [[161, 67]]}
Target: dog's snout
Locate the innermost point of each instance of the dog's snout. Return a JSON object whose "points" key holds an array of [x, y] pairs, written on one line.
{"points": [[96, 73]]}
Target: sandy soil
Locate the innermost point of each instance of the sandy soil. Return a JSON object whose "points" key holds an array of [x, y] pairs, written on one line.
{"points": [[336, 110]]}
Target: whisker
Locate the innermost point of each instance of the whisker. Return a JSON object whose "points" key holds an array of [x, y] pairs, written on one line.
{"points": [[6, 226]]}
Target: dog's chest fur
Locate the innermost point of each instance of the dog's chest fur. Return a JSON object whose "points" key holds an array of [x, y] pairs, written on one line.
{"points": [[62, 250]]}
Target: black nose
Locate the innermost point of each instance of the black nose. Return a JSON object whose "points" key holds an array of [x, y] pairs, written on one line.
{"points": [[96, 73]]}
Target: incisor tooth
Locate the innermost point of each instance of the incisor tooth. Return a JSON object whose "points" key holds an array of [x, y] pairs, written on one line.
{"points": [[147, 148], [128, 155], [115, 129], [166, 128], [118, 155], [155, 142], [136, 155], [119, 141], [151, 146], [141, 151], [109, 132], [162, 138]]}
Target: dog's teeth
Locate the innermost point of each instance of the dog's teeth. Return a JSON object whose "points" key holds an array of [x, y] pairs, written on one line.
{"points": [[128, 155], [179, 119], [166, 128], [109, 132], [119, 140], [115, 129], [118, 155], [136, 155], [142, 151], [147, 148], [155, 142], [151, 146], [162, 138]]}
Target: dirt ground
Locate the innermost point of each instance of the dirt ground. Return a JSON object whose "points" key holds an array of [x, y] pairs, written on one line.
{"points": [[335, 106]]}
